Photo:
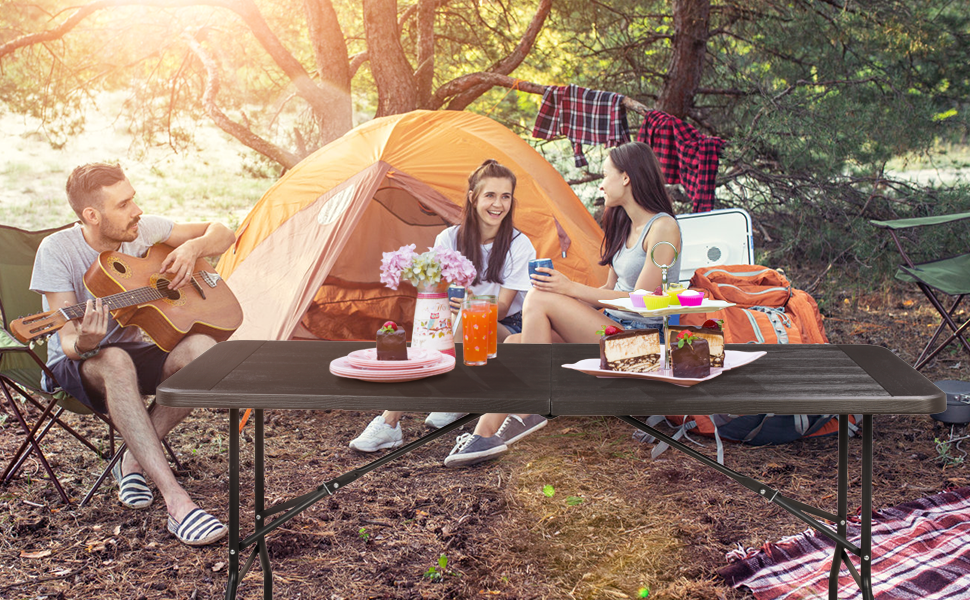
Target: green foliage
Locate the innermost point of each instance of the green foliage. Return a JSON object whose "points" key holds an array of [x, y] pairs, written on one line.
{"points": [[944, 448], [438, 572], [548, 490]]}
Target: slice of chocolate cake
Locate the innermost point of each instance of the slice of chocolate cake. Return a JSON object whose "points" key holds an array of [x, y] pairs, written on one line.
{"points": [[692, 361], [391, 342], [634, 351], [714, 337]]}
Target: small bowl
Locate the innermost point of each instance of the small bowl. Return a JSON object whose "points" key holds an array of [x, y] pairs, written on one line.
{"points": [[636, 298], [690, 298], [653, 302]]}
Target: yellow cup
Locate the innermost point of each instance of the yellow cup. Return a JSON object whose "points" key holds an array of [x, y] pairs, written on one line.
{"points": [[672, 290]]}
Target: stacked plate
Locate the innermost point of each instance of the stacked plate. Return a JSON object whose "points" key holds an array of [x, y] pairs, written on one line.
{"points": [[363, 365]]}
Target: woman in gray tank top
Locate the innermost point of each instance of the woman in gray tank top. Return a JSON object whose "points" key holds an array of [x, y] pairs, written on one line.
{"points": [[638, 216]]}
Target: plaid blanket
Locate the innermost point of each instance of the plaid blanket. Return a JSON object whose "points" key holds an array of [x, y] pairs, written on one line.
{"points": [[584, 116], [686, 156], [921, 552]]}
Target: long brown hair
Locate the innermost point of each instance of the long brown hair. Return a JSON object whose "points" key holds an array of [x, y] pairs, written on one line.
{"points": [[469, 240], [638, 161]]}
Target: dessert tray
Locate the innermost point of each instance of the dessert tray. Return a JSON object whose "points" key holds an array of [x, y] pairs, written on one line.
{"points": [[363, 365], [732, 360], [707, 305]]}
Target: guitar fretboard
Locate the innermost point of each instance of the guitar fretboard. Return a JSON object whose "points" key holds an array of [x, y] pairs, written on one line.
{"points": [[133, 297], [122, 300]]}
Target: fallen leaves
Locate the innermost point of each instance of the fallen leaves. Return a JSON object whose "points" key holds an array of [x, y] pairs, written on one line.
{"points": [[37, 554]]}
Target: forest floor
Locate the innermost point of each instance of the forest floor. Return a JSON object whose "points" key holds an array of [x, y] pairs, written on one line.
{"points": [[613, 523]]}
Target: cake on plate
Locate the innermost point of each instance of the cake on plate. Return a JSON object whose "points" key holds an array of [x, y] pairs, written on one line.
{"points": [[690, 356], [391, 343], [633, 350], [711, 332]]}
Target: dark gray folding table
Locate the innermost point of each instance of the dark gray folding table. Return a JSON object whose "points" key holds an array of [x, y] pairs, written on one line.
{"points": [[797, 379]]}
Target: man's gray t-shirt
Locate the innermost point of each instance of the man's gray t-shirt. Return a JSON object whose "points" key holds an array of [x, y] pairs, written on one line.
{"points": [[64, 257]]}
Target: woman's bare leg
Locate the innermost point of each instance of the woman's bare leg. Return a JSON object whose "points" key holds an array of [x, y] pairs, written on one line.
{"points": [[391, 417], [545, 314]]}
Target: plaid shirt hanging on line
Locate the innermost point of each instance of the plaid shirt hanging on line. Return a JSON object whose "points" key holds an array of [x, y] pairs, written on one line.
{"points": [[686, 156], [584, 116]]}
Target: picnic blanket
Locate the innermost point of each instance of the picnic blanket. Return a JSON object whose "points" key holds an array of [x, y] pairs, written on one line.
{"points": [[921, 548]]}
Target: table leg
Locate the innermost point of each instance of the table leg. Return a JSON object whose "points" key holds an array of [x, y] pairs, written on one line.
{"points": [[260, 465], [806, 513], [290, 508], [843, 514], [865, 543], [233, 582]]}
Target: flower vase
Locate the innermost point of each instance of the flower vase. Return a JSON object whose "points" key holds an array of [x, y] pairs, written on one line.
{"points": [[432, 319]]}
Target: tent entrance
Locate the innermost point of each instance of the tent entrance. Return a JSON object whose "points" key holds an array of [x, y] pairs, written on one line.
{"points": [[352, 297]]}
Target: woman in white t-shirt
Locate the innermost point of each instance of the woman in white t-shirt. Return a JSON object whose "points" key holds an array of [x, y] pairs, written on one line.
{"points": [[501, 256], [500, 252]]}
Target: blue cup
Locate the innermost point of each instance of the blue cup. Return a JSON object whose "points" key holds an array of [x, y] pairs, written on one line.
{"points": [[455, 291], [539, 262]]}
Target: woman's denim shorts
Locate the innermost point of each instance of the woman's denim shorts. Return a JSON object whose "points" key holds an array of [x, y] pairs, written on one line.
{"points": [[513, 322], [631, 324]]}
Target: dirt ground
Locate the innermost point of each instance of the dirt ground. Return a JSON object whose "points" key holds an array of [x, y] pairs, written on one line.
{"points": [[578, 510]]}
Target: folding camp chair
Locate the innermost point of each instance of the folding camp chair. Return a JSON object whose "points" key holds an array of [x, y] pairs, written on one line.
{"points": [[947, 277], [22, 367]]}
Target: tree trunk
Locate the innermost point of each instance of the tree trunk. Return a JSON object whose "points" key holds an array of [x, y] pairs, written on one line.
{"points": [[691, 20], [393, 75], [333, 69], [424, 76]]}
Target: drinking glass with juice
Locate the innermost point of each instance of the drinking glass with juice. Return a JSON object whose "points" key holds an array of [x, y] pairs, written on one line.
{"points": [[475, 315], [492, 324]]}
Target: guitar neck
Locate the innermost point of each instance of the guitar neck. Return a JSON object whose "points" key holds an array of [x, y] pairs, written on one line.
{"points": [[121, 300]]}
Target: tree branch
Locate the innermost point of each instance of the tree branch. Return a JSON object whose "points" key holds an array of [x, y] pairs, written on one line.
{"points": [[460, 84], [240, 132], [505, 65], [57, 32], [321, 103]]}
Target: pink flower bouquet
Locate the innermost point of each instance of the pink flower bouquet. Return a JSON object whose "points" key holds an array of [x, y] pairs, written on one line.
{"points": [[428, 268]]}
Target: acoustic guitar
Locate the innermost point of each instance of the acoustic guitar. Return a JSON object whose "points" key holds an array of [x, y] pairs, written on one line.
{"points": [[136, 293]]}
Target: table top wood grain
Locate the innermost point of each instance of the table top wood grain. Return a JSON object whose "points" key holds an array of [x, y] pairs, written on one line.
{"points": [[526, 378]]}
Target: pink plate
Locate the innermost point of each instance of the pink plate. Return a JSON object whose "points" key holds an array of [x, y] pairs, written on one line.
{"points": [[417, 357], [732, 360], [341, 367]]}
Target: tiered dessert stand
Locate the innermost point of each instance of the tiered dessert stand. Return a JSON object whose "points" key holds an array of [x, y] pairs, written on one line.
{"points": [[706, 305]]}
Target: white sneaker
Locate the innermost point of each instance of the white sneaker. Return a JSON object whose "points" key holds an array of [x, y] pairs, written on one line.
{"points": [[377, 436], [440, 419]]}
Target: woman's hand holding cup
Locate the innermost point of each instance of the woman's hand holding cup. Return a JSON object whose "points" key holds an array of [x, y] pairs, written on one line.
{"points": [[551, 280]]}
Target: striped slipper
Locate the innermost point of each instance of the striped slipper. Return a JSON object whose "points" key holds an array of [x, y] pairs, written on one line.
{"points": [[133, 490], [198, 528]]}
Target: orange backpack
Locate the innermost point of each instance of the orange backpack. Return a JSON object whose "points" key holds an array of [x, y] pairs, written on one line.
{"points": [[768, 309]]}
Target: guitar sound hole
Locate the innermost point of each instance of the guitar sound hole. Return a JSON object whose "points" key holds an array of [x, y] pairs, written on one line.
{"points": [[162, 286], [120, 268]]}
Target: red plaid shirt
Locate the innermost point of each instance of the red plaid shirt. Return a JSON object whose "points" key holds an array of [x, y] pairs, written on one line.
{"points": [[584, 116], [686, 156]]}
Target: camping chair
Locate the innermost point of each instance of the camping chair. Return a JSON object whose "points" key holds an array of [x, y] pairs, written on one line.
{"points": [[946, 276], [22, 367]]}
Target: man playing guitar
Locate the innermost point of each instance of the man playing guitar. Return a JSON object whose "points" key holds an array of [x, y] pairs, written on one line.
{"points": [[109, 367]]}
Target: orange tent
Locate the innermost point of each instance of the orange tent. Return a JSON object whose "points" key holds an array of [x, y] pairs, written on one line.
{"points": [[306, 262]]}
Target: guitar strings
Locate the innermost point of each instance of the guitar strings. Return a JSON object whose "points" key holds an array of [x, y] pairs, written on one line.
{"points": [[140, 295]]}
